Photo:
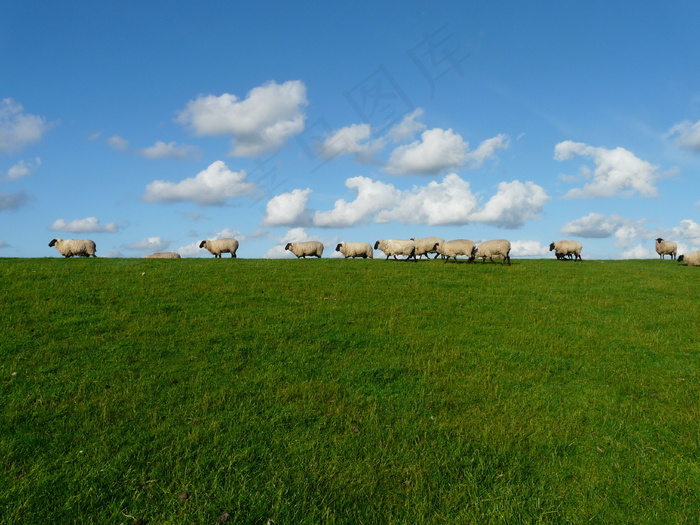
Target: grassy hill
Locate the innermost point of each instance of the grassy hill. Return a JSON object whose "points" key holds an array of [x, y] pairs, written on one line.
{"points": [[348, 391]]}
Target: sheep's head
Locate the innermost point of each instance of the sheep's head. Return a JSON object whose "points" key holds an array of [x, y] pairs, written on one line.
{"points": [[203, 243], [659, 240], [680, 258], [376, 245], [53, 242], [436, 246], [337, 248], [289, 246], [551, 247]]}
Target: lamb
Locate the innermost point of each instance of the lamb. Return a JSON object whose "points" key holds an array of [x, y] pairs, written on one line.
{"points": [[691, 259], [567, 248], [455, 248], [302, 249], [666, 248], [355, 249], [163, 255], [426, 246], [71, 247], [494, 248], [218, 246], [397, 247]]}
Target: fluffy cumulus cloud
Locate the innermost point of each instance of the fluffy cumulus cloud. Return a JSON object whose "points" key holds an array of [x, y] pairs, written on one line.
{"points": [[149, 244], [161, 150], [118, 143], [687, 135], [528, 248], [599, 226], [13, 201], [19, 129], [514, 204], [22, 169], [372, 196], [87, 225], [440, 150], [352, 140], [210, 187], [408, 127], [688, 229], [288, 209], [447, 202], [269, 116], [617, 171]]}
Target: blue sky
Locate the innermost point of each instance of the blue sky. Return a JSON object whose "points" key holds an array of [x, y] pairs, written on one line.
{"points": [[151, 126]]}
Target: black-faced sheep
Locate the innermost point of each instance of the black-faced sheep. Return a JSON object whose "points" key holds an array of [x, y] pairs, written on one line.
{"points": [[304, 249], [218, 246], [397, 247], [457, 247], [355, 249], [495, 248], [666, 248], [74, 247], [567, 249]]}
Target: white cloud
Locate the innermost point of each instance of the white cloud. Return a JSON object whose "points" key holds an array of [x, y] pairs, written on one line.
{"points": [[288, 209], [372, 197], [118, 143], [639, 252], [617, 171], [448, 202], [13, 201], [687, 135], [528, 248], [87, 225], [438, 150], [351, 140], [514, 203], [161, 150], [264, 121], [23, 169], [408, 127], [212, 186], [599, 226], [149, 244], [688, 229], [17, 128]]}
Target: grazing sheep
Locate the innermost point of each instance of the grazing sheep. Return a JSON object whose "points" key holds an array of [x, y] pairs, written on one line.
{"points": [[691, 259], [219, 246], [302, 249], [355, 249], [71, 247], [457, 247], [495, 248], [163, 255], [397, 247], [666, 248], [426, 246], [567, 249]]}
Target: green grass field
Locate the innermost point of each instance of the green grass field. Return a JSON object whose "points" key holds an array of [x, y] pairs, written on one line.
{"points": [[348, 391]]}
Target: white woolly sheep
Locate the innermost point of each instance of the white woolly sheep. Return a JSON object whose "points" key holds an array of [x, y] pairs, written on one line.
{"points": [[666, 248], [163, 255], [218, 246], [397, 247], [71, 247], [565, 249], [426, 246], [302, 249], [495, 248], [457, 247], [355, 249], [691, 259]]}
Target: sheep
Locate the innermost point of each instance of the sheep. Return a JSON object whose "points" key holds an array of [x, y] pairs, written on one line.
{"points": [[71, 247], [163, 255], [397, 247], [494, 248], [691, 259], [302, 249], [666, 248], [426, 246], [566, 249], [218, 246], [355, 249], [455, 248]]}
